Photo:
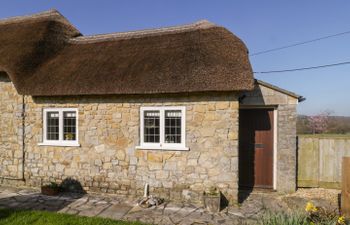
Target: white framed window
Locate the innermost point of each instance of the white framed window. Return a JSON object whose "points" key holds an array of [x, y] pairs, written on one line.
{"points": [[60, 127], [163, 128]]}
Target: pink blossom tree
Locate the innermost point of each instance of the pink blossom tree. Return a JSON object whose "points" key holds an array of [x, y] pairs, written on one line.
{"points": [[319, 123]]}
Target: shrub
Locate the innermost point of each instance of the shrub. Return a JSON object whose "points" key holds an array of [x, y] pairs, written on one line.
{"points": [[52, 185], [318, 215], [313, 216], [284, 219]]}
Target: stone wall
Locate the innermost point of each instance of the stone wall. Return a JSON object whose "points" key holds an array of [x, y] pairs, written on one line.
{"points": [[107, 160], [10, 130], [285, 105]]}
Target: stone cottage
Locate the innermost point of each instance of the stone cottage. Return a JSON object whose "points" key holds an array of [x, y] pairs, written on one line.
{"points": [[177, 108]]}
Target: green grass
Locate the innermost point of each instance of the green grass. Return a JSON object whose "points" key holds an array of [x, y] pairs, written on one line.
{"points": [[27, 217]]}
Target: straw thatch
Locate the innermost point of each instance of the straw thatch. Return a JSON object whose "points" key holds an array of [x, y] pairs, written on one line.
{"points": [[44, 55]]}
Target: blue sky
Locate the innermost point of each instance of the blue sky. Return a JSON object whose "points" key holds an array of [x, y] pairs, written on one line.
{"points": [[260, 24]]}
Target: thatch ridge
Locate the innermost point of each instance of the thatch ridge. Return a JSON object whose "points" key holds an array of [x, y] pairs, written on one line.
{"points": [[45, 56], [142, 33], [16, 19], [51, 14]]}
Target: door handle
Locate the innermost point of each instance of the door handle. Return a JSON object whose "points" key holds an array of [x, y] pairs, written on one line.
{"points": [[259, 145]]}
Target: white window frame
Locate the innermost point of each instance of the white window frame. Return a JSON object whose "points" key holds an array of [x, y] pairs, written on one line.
{"points": [[61, 141], [162, 145]]}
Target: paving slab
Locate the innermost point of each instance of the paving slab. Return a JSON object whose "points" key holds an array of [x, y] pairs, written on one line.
{"points": [[168, 213], [92, 211], [116, 212]]}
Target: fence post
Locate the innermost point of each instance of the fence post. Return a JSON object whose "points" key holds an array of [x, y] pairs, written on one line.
{"points": [[345, 192]]}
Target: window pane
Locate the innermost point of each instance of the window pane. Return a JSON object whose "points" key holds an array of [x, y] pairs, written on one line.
{"points": [[69, 126], [173, 126], [151, 126], [52, 132]]}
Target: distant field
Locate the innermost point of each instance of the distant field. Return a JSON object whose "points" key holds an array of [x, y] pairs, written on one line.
{"points": [[335, 125]]}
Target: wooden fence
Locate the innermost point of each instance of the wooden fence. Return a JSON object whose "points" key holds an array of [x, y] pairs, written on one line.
{"points": [[345, 196], [320, 160]]}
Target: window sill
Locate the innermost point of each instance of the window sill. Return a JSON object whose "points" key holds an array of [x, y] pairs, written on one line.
{"points": [[166, 148], [60, 144]]}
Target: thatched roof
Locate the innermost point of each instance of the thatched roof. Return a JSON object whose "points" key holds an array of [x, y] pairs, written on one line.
{"points": [[45, 55]]}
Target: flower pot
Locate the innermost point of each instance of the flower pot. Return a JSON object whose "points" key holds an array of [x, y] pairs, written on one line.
{"points": [[212, 202], [49, 191]]}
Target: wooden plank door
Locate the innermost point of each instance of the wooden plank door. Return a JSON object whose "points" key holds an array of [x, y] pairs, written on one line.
{"points": [[256, 148]]}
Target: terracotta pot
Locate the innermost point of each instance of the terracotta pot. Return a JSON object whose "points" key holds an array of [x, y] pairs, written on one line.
{"points": [[49, 191], [212, 202]]}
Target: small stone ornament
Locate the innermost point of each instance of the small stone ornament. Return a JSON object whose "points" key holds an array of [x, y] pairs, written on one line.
{"points": [[150, 201]]}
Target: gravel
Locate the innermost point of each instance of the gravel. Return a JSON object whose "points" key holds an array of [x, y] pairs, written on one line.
{"points": [[330, 195]]}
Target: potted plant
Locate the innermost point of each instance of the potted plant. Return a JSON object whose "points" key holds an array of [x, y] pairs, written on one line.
{"points": [[51, 189], [69, 136], [212, 200]]}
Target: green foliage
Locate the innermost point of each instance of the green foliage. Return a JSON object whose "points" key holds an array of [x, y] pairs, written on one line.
{"points": [[213, 191], [322, 216], [26, 217], [299, 219], [53, 185], [284, 219]]}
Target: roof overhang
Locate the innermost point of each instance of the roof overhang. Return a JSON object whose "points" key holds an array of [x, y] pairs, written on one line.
{"points": [[284, 91]]}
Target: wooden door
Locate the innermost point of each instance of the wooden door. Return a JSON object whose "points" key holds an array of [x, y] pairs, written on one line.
{"points": [[256, 148]]}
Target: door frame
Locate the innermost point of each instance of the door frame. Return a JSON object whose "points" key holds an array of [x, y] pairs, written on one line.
{"points": [[275, 136]]}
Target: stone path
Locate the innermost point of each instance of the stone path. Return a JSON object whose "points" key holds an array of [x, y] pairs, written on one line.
{"points": [[121, 208]]}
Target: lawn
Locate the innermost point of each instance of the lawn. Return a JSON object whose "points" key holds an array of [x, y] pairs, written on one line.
{"points": [[27, 217]]}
